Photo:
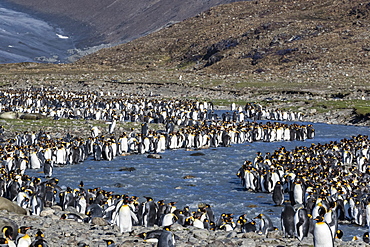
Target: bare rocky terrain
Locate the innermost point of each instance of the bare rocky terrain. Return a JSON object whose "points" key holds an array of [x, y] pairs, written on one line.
{"points": [[92, 23]]}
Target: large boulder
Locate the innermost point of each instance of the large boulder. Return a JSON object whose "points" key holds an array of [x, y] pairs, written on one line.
{"points": [[10, 206]]}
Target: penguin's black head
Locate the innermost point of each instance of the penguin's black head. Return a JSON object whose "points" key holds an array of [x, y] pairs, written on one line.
{"points": [[108, 241], [339, 234], [142, 235], [258, 216], [366, 237], [24, 229], [8, 232]]}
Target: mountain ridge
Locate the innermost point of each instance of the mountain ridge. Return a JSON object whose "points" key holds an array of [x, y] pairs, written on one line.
{"points": [[278, 37], [93, 22]]}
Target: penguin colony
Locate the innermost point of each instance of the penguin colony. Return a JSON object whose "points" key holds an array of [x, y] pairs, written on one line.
{"points": [[324, 183], [58, 104], [200, 128], [18, 237]]}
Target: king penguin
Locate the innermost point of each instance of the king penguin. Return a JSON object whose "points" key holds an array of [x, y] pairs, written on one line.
{"points": [[301, 222], [125, 217], [23, 239], [48, 168], [149, 212], [322, 235], [166, 239], [265, 224], [366, 237], [278, 194], [287, 221]]}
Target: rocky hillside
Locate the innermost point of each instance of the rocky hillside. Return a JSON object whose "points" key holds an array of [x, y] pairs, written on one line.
{"points": [[93, 22], [323, 41]]}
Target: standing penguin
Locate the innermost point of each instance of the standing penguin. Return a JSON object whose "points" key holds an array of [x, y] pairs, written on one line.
{"points": [[299, 191], [97, 151], [36, 204], [23, 239], [35, 162], [125, 217], [287, 221], [149, 212], [301, 222], [322, 235], [209, 212], [265, 224], [48, 168], [278, 194]]}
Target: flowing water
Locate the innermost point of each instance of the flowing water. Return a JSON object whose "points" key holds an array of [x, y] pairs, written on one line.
{"points": [[213, 182], [24, 38]]}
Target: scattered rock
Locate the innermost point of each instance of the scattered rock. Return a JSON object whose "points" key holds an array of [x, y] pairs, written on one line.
{"points": [[127, 169], [201, 233], [154, 156], [47, 212], [9, 115], [197, 154], [118, 185], [31, 116], [99, 221], [9, 206]]}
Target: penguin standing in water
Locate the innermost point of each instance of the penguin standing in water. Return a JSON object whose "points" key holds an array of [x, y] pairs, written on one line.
{"points": [[48, 168], [322, 235], [278, 194], [310, 131], [287, 221]]}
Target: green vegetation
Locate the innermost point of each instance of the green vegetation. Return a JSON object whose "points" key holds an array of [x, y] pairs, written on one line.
{"points": [[361, 107]]}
